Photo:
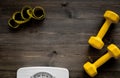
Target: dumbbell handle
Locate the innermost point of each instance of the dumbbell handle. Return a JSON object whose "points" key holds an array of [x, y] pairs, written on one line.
{"points": [[102, 59], [104, 28]]}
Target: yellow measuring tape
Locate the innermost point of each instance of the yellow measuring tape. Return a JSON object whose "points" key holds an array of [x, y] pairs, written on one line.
{"points": [[12, 23], [25, 15], [24, 12], [17, 17], [37, 13]]}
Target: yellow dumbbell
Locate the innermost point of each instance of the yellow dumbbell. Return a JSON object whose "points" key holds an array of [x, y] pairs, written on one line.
{"points": [[91, 69], [111, 17]]}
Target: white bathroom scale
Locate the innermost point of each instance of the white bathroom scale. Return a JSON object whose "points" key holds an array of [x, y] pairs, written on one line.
{"points": [[42, 72]]}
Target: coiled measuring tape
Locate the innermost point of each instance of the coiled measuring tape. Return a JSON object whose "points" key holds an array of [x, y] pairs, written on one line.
{"points": [[17, 17], [24, 12], [25, 15], [12, 23], [37, 13]]}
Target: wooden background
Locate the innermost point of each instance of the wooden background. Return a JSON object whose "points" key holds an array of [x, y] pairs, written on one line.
{"points": [[60, 40]]}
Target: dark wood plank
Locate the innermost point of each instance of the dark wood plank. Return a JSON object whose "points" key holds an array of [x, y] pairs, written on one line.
{"points": [[60, 40]]}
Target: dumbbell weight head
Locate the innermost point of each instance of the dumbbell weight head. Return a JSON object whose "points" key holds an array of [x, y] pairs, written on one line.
{"points": [[90, 69], [96, 42], [114, 51], [111, 16]]}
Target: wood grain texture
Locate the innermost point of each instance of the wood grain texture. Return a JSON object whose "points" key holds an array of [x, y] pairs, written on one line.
{"points": [[60, 40]]}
